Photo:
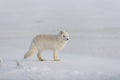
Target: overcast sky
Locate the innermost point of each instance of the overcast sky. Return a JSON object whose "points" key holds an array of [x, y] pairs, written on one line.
{"points": [[94, 25], [52, 15]]}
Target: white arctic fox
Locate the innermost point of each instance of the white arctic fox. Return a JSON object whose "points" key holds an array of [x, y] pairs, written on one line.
{"points": [[44, 42]]}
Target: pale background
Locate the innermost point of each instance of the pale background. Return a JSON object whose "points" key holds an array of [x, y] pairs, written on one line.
{"points": [[92, 53], [94, 25]]}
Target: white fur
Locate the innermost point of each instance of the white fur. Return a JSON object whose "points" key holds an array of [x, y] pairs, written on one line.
{"points": [[44, 42]]}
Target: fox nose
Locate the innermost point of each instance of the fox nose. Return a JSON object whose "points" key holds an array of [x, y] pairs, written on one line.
{"points": [[67, 39]]}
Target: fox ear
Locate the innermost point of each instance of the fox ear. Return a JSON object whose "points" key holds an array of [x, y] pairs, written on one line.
{"points": [[61, 32]]}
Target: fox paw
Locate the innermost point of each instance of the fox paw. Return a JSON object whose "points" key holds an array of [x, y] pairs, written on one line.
{"points": [[42, 59], [56, 59]]}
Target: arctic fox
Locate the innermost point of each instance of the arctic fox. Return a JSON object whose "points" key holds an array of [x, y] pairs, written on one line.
{"points": [[44, 42]]}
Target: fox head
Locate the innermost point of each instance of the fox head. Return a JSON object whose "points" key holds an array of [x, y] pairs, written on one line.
{"points": [[64, 35]]}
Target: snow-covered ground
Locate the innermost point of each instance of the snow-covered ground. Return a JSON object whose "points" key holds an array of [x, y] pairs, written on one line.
{"points": [[73, 66], [79, 68], [92, 52]]}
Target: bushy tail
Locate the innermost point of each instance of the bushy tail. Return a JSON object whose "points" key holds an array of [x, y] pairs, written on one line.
{"points": [[32, 51]]}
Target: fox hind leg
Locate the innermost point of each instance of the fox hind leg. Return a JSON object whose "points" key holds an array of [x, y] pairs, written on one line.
{"points": [[39, 55]]}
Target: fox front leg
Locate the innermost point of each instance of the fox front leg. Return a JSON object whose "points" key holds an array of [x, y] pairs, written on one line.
{"points": [[55, 55]]}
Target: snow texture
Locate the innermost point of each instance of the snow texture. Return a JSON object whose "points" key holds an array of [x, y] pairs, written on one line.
{"points": [[71, 67]]}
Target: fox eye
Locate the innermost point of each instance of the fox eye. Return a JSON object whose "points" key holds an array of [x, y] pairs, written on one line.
{"points": [[63, 35]]}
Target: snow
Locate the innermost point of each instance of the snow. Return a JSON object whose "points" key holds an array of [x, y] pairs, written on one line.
{"points": [[71, 66], [92, 52]]}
